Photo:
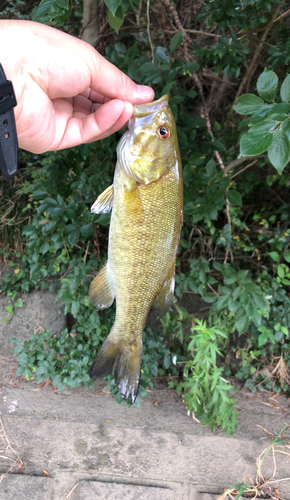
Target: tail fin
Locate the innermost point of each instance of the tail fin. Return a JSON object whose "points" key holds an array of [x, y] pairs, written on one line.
{"points": [[126, 361]]}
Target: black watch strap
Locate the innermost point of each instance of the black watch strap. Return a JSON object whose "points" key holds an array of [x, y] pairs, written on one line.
{"points": [[8, 135]]}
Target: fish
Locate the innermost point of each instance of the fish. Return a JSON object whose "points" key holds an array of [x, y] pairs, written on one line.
{"points": [[146, 199]]}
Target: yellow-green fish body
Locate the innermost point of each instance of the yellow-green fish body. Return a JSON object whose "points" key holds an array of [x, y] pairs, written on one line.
{"points": [[147, 200]]}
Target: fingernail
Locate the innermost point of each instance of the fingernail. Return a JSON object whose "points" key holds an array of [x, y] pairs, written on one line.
{"points": [[145, 92]]}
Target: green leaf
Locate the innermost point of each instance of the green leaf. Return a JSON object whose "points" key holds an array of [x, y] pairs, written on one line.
{"points": [[222, 302], [242, 323], [18, 303], [73, 284], [260, 301], [63, 4], [262, 339], [176, 40], [267, 85], [73, 237], [267, 125], [279, 150], [287, 256], [209, 297], [87, 230], [233, 305], [235, 198], [55, 213], [44, 8], [104, 219], [167, 361], [261, 113], [248, 104], [274, 256], [113, 6], [38, 194], [281, 272], [161, 55], [285, 89], [282, 107], [116, 21], [255, 143], [286, 127], [44, 247], [75, 307]]}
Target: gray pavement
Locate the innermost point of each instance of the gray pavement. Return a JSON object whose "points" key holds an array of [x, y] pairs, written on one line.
{"points": [[81, 445]]}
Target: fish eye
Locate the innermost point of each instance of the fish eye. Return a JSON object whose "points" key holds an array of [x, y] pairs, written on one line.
{"points": [[163, 132]]}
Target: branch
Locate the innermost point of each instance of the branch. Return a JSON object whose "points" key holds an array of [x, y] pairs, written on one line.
{"points": [[245, 168], [195, 76], [251, 68], [148, 31]]}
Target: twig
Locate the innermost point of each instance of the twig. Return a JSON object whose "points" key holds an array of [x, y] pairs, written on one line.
{"points": [[195, 76], [229, 221], [213, 290], [148, 31], [275, 20], [251, 68], [16, 461], [194, 32], [245, 168], [71, 491], [235, 163], [86, 252]]}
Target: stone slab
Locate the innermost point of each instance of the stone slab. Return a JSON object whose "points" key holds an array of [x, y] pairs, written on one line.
{"points": [[13, 487], [91, 490], [38, 307]]}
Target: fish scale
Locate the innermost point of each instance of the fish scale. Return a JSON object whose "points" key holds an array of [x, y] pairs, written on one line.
{"points": [[146, 200]]}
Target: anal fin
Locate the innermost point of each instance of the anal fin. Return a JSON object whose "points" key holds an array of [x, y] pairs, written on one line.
{"points": [[163, 299], [101, 291], [104, 202]]}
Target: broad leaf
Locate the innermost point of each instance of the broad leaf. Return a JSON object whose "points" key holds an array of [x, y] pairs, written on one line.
{"points": [[279, 151], [235, 198], [267, 85], [73, 237], [286, 127], [176, 40], [274, 256], [113, 6], [64, 4], [267, 125], [116, 21], [161, 55], [261, 113], [285, 89], [248, 104], [282, 107], [242, 323], [255, 143]]}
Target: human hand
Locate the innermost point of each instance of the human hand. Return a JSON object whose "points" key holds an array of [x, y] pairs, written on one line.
{"points": [[67, 93]]}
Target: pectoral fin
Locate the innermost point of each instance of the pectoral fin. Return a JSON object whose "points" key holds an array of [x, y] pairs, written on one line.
{"points": [[104, 202], [163, 300], [101, 291]]}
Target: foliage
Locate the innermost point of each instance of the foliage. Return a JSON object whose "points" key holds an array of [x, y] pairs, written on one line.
{"points": [[270, 121], [234, 248], [206, 393]]}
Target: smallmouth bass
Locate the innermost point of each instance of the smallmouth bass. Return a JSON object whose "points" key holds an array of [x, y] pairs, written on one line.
{"points": [[146, 199]]}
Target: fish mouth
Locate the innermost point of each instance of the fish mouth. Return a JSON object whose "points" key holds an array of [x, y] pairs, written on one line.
{"points": [[142, 110]]}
